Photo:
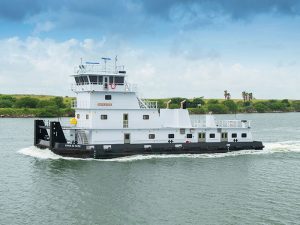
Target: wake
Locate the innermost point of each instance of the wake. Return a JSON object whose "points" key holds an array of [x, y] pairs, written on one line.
{"points": [[270, 148]]}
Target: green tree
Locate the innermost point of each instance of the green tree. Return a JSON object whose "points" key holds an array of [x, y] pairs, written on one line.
{"points": [[26, 102], [217, 108], [231, 105], [260, 107]]}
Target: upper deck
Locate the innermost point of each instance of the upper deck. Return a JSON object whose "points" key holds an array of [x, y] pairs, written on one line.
{"points": [[96, 76]]}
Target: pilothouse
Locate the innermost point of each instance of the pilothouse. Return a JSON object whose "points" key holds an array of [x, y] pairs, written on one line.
{"points": [[112, 121]]}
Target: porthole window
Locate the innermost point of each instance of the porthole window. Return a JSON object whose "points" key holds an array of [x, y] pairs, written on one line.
{"points": [[244, 135], [171, 136], [103, 117], [212, 135], [107, 97], [189, 136], [151, 136], [233, 135], [145, 117]]}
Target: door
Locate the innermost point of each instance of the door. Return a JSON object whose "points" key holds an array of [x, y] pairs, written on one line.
{"points": [[125, 120], [126, 138], [201, 137], [105, 83], [224, 136]]}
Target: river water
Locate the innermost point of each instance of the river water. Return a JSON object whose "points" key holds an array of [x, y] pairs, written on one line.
{"points": [[247, 187]]}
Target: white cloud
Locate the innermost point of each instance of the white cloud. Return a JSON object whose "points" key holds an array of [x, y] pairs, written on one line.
{"points": [[43, 66], [43, 27]]}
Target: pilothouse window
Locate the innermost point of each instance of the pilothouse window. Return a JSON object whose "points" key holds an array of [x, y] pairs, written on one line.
{"points": [[107, 97], [85, 79], [93, 79], [212, 135], [111, 80], [244, 135], [119, 80], [233, 135]]}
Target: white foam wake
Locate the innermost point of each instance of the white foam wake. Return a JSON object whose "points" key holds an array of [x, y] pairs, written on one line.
{"points": [[274, 147]]}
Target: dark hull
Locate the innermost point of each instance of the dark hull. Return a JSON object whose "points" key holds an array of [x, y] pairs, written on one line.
{"points": [[121, 150], [57, 143]]}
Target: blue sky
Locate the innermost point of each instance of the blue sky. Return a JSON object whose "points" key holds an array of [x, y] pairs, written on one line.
{"points": [[170, 48]]}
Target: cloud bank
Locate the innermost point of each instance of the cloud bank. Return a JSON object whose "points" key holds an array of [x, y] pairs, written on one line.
{"points": [[43, 66]]}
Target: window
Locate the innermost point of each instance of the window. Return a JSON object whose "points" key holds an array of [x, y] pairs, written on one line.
{"points": [[107, 97], [77, 80], [233, 135], [119, 80], [87, 116], [182, 131], [171, 135], [100, 79], [145, 117], [103, 117], [244, 135], [111, 80], [78, 116], [189, 136], [151, 136], [212, 135], [85, 79]]}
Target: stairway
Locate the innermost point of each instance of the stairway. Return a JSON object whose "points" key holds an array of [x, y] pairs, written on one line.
{"points": [[142, 104], [82, 136]]}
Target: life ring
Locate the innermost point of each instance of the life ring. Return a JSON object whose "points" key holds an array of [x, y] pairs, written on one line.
{"points": [[113, 85]]}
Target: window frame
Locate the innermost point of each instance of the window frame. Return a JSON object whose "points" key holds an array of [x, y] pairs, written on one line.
{"points": [[171, 136], [103, 116], [107, 97], [151, 136], [244, 135], [146, 117], [189, 136]]}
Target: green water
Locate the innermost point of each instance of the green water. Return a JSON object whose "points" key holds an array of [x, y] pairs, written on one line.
{"points": [[248, 187]]}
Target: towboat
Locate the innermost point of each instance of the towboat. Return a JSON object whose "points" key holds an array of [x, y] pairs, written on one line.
{"points": [[112, 121]]}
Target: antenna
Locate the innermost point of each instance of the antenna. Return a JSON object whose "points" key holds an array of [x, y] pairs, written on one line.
{"points": [[116, 59], [105, 59]]}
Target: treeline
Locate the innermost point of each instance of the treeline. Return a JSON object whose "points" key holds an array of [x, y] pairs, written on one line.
{"points": [[50, 106], [11, 106], [203, 106]]}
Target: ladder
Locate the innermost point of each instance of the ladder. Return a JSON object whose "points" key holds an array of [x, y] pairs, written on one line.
{"points": [[83, 137], [142, 104]]}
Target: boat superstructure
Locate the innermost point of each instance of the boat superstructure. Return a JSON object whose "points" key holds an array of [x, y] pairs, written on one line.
{"points": [[112, 121]]}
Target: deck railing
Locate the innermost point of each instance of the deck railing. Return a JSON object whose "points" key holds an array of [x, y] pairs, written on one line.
{"points": [[223, 124]]}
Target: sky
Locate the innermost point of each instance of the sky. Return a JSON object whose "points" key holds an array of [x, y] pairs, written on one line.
{"points": [[170, 48]]}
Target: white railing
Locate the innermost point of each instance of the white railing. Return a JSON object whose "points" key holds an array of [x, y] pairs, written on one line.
{"points": [[199, 123], [233, 123], [223, 123], [126, 87], [146, 104], [97, 69], [150, 104]]}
